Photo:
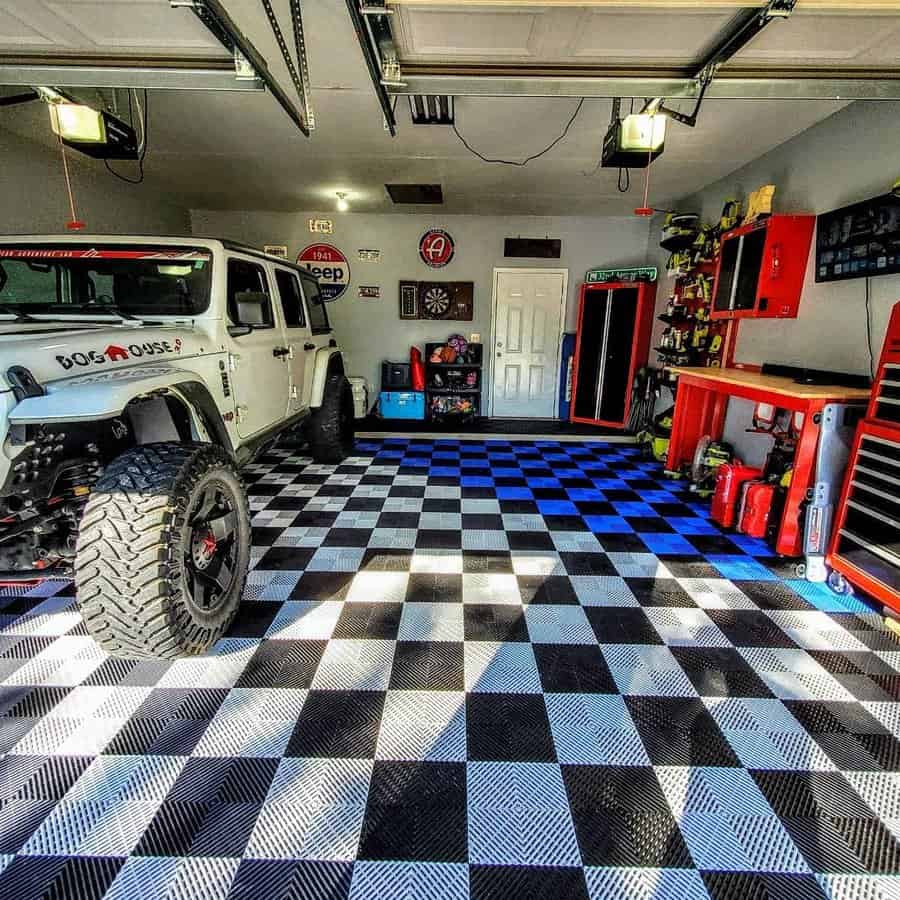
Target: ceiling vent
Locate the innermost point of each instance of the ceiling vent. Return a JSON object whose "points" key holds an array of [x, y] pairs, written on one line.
{"points": [[415, 193], [431, 109]]}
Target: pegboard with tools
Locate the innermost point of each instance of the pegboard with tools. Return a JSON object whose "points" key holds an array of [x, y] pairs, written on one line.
{"points": [[692, 337]]}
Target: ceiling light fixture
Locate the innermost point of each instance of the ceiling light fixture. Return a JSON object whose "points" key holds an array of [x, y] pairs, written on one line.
{"points": [[76, 123], [342, 203]]}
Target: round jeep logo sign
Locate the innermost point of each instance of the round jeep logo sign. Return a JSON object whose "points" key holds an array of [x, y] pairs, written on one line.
{"points": [[436, 248], [329, 265]]}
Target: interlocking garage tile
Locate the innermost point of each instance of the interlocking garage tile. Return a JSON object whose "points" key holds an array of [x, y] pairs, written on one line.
{"points": [[464, 669], [622, 818], [416, 811]]}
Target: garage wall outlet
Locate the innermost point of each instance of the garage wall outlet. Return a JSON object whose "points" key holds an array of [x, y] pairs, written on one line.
{"points": [[475, 338]]}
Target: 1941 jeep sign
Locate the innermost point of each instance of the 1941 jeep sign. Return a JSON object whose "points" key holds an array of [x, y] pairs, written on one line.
{"points": [[329, 266]]}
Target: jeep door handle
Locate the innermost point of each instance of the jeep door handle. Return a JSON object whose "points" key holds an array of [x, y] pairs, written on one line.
{"points": [[281, 351], [309, 346]]}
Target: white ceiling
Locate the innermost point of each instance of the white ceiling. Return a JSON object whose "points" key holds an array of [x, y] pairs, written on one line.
{"points": [[240, 151]]}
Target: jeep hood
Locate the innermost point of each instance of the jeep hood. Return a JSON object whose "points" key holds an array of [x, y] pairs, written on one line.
{"points": [[55, 350]]}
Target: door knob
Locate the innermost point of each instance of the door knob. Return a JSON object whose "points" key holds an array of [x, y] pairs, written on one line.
{"points": [[309, 345], [281, 351]]}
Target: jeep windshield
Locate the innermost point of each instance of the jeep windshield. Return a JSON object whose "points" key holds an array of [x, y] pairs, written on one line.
{"points": [[124, 281]]}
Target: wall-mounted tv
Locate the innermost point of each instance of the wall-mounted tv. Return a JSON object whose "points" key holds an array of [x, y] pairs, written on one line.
{"points": [[859, 240]]}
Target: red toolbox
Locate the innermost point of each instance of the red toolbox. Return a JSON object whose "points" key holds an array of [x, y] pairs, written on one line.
{"points": [[730, 478], [865, 545], [759, 497]]}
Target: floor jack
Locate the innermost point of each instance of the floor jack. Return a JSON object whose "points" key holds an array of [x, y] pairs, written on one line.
{"points": [[837, 428]]}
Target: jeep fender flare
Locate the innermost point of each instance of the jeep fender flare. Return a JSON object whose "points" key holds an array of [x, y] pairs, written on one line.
{"points": [[329, 361], [94, 398]]}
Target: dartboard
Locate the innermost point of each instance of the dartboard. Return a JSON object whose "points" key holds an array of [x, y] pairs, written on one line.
{"points": [[436, 302]]}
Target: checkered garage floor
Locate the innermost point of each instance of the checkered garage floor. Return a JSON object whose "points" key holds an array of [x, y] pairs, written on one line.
{"points": [[497, 670]]}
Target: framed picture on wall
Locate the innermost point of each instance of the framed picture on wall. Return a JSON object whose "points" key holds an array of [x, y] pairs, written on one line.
{"points": [[409, 300]]}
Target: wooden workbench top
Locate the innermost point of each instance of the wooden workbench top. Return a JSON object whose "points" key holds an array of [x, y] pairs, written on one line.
{"points": [[776, 384]]}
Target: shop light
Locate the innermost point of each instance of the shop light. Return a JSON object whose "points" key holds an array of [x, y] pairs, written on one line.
{"points": [[78, 124], [342, 204]]}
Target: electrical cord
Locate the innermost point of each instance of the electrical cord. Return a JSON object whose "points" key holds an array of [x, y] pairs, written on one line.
{"points": [[623, 186], [145, 141], [869, 328], [528, 159]]}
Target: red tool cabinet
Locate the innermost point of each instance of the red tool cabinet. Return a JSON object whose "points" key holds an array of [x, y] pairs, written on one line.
{"points": [[614, 324], [865, 546], [761, 269]]}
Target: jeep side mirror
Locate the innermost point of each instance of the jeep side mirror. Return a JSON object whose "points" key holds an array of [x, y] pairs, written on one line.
{"points": [[251, 308]]}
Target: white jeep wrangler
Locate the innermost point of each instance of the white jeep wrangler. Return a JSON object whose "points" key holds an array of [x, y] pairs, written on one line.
{"points": [[137, 374]]}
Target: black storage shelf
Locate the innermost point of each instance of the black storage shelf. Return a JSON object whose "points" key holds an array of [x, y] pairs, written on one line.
{"points": [[467, 392], [455, 365], [450, 390]]}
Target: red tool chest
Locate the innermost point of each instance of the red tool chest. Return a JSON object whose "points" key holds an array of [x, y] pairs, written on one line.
{"points": [[761, 269], [865, 546]]}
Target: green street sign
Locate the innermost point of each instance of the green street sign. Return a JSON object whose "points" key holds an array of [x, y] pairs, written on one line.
{"points": [[640, 273]]}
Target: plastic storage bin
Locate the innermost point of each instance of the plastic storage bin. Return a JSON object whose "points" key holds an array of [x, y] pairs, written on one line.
{"points": [[360, 397], [402, 404], [395, 376]]}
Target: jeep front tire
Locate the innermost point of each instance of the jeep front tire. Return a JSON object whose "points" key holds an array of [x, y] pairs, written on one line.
{"points": [[163, 551], [331, 427]]}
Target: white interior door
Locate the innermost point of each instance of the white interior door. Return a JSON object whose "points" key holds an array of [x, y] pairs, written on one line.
{"points": [[528, 307]]}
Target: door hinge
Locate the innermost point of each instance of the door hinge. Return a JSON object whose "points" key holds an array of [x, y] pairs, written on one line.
{"points": [[294, 393], [240, 412], [233, 360]]}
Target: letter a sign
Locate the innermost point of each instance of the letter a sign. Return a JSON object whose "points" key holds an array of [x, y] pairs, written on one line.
{"points": [[436, 248]]}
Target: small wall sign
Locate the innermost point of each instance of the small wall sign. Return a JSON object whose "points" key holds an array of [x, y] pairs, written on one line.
{"points": [[639, 273], [369, 291], [279, 250], [436, 248], [329, 266], [369, 255], [321, 226]]}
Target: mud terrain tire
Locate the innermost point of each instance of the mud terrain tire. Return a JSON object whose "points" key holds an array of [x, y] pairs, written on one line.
{"points": [[163, 551], [331, 426]]}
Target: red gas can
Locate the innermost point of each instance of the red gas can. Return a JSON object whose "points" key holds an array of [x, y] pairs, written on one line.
{"points": [[730, 478], [756, 508]]}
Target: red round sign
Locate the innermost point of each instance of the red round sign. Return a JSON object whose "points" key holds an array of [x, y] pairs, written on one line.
{"points": [[329, 266], [436, 248]]}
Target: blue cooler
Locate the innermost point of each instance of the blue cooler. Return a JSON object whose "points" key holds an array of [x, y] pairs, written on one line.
{"points": [[402, 404]]}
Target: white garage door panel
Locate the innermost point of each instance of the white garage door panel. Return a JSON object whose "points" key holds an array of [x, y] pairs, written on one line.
{"points": [[108, 26], [649, 34], [440, 32], [848, 39], [528, 310], [16, 32], [554, 33]]}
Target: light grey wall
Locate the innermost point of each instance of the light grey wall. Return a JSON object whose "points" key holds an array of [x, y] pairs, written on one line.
{"points": [[371, 330], [848, 157], [33, 195]]}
